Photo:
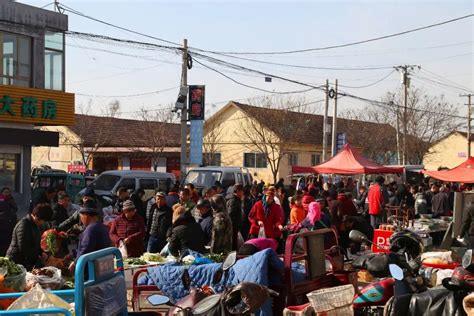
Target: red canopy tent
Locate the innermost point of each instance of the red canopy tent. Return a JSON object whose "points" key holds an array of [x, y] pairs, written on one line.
{"points": [[462, 173], [348, 161]]}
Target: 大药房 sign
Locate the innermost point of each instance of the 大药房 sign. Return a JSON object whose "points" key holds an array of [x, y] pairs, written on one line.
{"points": [[196, 106], [36, 106]]}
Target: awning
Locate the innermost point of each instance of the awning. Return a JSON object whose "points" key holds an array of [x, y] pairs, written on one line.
{"points": [[462, 173], [29, 137], [349, 161]]}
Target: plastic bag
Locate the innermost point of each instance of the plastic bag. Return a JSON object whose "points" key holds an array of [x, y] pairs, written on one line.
{"points": [[16, 282], [49, 278], [261, 233], [39, 298], [123, 249]]}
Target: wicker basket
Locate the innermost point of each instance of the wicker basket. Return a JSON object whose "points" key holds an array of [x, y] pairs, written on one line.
{"points": [[333, 301]]}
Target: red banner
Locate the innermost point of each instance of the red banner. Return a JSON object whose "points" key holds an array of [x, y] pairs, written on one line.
{"points": [[381, 240], [76, 168]]}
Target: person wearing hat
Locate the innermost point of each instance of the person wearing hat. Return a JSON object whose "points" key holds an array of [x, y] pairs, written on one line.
{"points": [[268, 215], [204, 208], [158, 221], [129, 228], [94, 237]]}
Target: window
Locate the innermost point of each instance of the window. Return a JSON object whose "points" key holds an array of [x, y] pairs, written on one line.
{"points": [[10, 171], [203, 178], [54, 61], [240, 179], [212, 159], [127, 183], [15, 51], [105, 182], [292, 159], [255, 160], [148, 184], [228, 179], [315, 159]]}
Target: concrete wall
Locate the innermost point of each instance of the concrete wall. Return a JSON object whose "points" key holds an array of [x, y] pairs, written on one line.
{"points": [[448, 152]]}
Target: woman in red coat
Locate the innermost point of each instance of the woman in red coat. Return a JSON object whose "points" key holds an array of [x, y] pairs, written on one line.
{"points": [[267, 214], [129, 227]]}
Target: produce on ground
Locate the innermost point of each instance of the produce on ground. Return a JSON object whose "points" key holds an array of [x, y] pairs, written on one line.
{"points": [[152, 257]]}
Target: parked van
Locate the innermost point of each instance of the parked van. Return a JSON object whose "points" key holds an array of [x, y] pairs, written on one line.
{"points": [[108, 182], [204, 177]]}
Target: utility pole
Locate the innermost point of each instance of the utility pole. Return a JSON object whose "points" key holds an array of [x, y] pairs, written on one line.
{"points": [[399, 158], [325, 122], [334, 124], [469, 111], [405, 71], [184, 112]]}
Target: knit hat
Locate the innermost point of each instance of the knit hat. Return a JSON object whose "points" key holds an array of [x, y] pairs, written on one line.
{"points": [[161, 194], [128, 205], [89, 192]]}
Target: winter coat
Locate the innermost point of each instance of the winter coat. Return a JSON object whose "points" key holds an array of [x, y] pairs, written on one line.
{"points": [[94, 237], [206, 226], [297, 214], [440, 204], [221, 241], [25, 247], [59, 214], [421, 205], [133, 229], [345, 206], [249, 201], [171, 199], [139, 204], [186, 234], [7, 223], [376, 200], [159, 220], [234, 209], [69, 222], [270, 221]]}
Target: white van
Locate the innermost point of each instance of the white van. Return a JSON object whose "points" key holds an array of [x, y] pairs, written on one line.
{"points": [[108, 182], [204, 177]]}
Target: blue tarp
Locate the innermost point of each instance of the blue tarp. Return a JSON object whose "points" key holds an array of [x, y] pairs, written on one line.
{"points": [[254, 268]]}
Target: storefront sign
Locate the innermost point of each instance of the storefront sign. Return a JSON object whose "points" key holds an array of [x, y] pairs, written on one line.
{"points": [[36, 106], [196, 102], [76, 168], [381, 240]]}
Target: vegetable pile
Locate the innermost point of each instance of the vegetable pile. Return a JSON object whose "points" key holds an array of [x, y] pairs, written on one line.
{"points": [[135, 262], [152, 257], [9, 266], [216, 257]]}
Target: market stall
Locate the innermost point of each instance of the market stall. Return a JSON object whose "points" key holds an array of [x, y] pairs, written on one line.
{"points": [[463, 173], [348, 161]]}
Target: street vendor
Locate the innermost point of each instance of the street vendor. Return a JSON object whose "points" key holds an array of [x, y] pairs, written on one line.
{"points": [[129, 228], [25, 247], [94, 237]]}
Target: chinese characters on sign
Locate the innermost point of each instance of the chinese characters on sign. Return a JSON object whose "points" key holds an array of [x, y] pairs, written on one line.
{"points": [[196, 102], [29, 107]]}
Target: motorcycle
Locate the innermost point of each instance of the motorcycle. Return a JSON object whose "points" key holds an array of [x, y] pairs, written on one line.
{"points": [[372, 298], [243, 299]]}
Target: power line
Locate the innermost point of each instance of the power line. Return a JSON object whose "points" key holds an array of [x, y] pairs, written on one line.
{"points": [[438, 77], [441, 83], [127, 95], [246, 85], [347, 44], [66, 8], [370, 84]]}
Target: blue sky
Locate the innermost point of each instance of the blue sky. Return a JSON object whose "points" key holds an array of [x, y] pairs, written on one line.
{"points": [[266, 26]]}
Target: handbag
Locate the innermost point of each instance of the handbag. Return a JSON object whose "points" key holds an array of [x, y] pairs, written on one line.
{"points": [[261, 232], [123, 249]]}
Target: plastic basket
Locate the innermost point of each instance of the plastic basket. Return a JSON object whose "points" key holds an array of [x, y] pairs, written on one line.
{"points": [[333, 301]]}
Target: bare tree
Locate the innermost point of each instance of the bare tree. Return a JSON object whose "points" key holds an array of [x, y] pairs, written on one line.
{"points": [[92, 132], [428, 119], [155, 136], [211, 141], [269, 127]]}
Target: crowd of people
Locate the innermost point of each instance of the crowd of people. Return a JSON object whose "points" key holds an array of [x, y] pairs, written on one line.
{"points": [[217, 220]]}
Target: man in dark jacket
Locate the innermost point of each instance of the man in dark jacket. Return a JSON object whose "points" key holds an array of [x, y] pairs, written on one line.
{"points": [[137, 199], [7, 196], [234, 209], [47, 197], [94, 237], [204, 208], [186, 234], [440, 203], [158, 221], [122, 196], [60, 209], [25, 247]]}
